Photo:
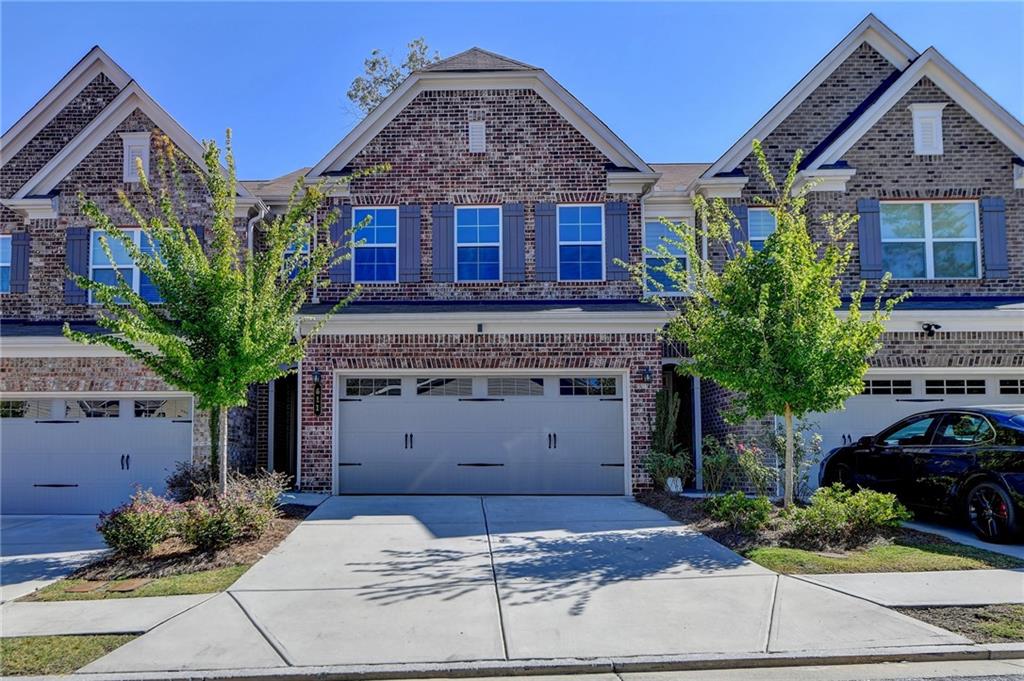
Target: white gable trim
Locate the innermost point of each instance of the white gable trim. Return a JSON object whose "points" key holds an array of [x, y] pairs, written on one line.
{"points": [[95, 62], [132, 97], [870, 31], [554, 94], [950, 80]]}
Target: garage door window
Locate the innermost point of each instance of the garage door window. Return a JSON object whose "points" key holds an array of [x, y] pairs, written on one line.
{"points": [[590, 386], [955, 386], [176, 408], [92, 409], [25, 409], [886, 386], [444, 387], [515, 386], [1011, 386], [375, 387]]}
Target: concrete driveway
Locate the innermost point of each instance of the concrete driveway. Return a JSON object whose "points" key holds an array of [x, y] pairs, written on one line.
{"points": [[369, 580], [38, 549]]}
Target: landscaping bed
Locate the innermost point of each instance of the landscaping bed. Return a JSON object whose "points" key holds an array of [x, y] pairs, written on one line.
{"points": [[45, 655], [894, 549], [983, 624], [175, 568]]}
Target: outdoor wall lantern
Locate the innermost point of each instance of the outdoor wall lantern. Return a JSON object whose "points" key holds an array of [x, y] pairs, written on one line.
{"points": [[646, 375], [930, 329], [318, 393]]}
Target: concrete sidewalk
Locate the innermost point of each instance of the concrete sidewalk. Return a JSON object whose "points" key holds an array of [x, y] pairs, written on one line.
{"points": [[507, 581], [105, 616], [929, 589]]}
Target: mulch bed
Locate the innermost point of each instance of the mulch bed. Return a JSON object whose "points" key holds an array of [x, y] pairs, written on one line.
{"points": [[983, 624], [173, 557]]}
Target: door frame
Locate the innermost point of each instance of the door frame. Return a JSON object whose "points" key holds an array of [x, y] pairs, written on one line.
{"points": [[622, 374]]}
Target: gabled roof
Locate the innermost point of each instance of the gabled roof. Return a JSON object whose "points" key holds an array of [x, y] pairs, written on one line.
{"points": [[677, 177], [95, 62], [477, 59], [131, 97], [872, 31], [505, 76], [949, 79], [276, 188]]}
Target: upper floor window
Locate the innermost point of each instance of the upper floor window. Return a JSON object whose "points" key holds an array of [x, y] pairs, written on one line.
{"points": [[927, 128], [930, 239], [478, 244], [760, 225], [581, 243], [102, 270], [375, 258], [136, 148], [292, 264], [656, 235], [5, 263]]}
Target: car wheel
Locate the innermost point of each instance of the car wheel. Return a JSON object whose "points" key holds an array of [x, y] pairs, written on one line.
{"points": [[841, 473], [990, 513]]}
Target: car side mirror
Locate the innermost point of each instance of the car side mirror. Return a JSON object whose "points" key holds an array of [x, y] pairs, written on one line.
{"points": [[866, 441]]}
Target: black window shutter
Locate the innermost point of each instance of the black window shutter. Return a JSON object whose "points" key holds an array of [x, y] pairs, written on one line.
{"points": [[513, 238], [409, 242], [546, 227], [77, 261], [616, 239], [20, 249], [739, 231], [869, 238], [443, 241], [200, 232], [993, 230], [341, 267]]}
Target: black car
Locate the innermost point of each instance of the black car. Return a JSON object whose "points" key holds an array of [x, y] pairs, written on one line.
{"points": [[966, 463]]}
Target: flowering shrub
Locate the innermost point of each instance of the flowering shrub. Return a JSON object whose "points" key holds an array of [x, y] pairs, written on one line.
{"points": [[136, 527], [750, 461], [206, 525]]}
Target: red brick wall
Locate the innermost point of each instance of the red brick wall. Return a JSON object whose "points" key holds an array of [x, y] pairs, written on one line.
{"points": [[472, 351]]}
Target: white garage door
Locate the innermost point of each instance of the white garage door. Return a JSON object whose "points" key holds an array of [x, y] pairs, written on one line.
{"points": [[86, 454], [889, 397], [437, 434]]}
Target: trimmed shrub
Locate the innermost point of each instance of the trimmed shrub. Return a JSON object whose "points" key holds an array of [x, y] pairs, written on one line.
{"points": [[744, 514], [838, 517], [134, 528], [662, 465], [191, 481], [206, 525], [717, 466]]}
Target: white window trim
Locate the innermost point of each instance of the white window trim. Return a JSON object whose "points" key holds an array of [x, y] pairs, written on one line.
{"points": [[923, 111], [647, 254], [761, 209], [355, 246], [928, 240], [136, 272], [501, 246], [560, 243], [9, 263], [129, 139]]}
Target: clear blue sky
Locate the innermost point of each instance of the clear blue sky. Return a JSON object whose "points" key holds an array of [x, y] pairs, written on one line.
{"points": [[678, 82]]}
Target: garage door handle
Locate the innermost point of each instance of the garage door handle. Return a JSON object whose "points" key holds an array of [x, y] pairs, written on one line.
{"points": [[481, 465], [122, 462], [128, 462], [556, 439], [412, 443]]}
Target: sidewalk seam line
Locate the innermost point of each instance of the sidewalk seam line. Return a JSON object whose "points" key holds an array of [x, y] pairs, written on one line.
{"points": [[271, 640], [771, 614], [494, 578], [211, 597], [840, 591]]}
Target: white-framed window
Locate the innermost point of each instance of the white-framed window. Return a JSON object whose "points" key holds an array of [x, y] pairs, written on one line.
{"points": [[1011, 386], [136, 147], [289, 253], [163, 408], [445, 387], [954, 386], [92, 409], [102, 270], [5, 263], [930, 239], [478, 243], [515, 386], [927, 128], [581, 242], [656, 235], [590, 386], [760, 225], [25, 409], [887, 386], [375, 260], [373, 387]]}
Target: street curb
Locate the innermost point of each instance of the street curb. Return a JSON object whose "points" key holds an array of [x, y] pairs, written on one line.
{"points": [[606, 665]]}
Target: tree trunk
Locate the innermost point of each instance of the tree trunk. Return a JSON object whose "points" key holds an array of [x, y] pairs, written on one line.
{"points": [[222, 476], [790, 473]]}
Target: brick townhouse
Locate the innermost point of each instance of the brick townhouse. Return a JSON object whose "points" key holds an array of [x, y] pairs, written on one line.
{"points": [[497, 346]]}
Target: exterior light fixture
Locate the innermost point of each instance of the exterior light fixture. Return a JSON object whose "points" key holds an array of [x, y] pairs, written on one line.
{"points": [[646, 375], [930, 329]]}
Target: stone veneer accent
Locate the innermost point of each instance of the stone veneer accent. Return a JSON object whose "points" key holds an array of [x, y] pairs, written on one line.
{"points": [[437, 352]]}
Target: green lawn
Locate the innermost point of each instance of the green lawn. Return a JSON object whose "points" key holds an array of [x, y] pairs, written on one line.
{"points": [[920, 557], [203, 582], [41, 655]]}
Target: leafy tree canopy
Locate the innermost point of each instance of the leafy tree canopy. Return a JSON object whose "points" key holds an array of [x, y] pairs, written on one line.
{"points": [[381, 76]]}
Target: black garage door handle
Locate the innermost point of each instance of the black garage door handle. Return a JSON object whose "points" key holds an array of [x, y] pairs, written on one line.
{"points": [[480, 465], [54, 484]]}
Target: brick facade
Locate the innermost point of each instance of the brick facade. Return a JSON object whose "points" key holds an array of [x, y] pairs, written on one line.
{"points": [[473, 351]]}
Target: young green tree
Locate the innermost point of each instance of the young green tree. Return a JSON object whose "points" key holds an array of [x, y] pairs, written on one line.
{"points": [[226, 317], [381, 76], [765, 324]]}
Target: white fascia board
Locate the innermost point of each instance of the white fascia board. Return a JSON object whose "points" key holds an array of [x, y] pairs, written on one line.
{"points": [[557, 321], [1008, 318], [945, 371], [673, 206], [130, 98], [630, 182], [871, 31], [949, 79], [540, 82], [95, 62], [730, 187], [36, 208]]}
